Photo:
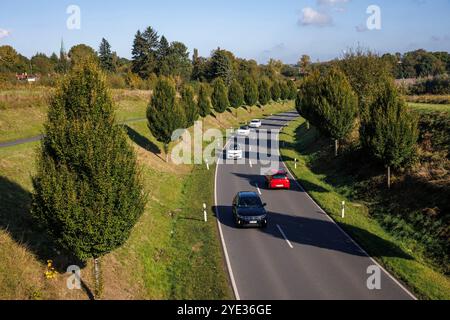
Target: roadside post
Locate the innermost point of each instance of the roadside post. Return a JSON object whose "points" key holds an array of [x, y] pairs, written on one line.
{"points": [[296, 163], [204, 212], [207, 164], [343, 209]]}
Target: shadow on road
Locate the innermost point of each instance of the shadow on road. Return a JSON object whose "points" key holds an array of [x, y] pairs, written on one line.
{"points": [[318, 233]]}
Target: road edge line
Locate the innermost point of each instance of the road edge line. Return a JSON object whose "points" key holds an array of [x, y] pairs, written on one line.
{"points": [[224, 246], [396, 281]]}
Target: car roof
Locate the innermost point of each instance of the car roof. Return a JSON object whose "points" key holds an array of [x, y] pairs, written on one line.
{"points": [[256, 120], [278, 172], [248, 194]]}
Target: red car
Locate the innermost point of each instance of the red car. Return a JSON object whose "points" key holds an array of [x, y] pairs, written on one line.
{"points": [[279, 180]]}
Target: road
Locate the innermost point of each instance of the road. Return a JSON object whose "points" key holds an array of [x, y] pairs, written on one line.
{"points": [[303, 254]]}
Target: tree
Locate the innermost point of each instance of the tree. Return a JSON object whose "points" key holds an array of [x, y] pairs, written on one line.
{"points": [[106, 56], [285, 91], [42, 64], [221, 66], [189, 105], [264, 92], [250, 91], [392, 134], [304, 64], [88, 192], [236, 94], [292, 90], [164, 113], [204, 101], [219, 96], [80, 53], [276, 91], [328, 102], [145, 46], [177, 62]]}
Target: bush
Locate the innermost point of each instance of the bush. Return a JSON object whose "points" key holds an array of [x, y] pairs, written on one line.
{"points": [[236, 94], [292, 90], [116, 81], [219, 96], [439, 85]]}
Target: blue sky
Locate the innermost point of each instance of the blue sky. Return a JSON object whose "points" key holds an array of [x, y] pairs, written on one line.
{"points": [[282, 29]]}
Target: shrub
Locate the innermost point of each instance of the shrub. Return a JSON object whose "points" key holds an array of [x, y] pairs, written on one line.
{"points": [[250, 91], [219, 97], [264, 92], [236, 94]]}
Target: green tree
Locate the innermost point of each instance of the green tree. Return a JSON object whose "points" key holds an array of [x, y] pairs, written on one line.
{"points": [[250, 91], [236, 94], [304, 64], [88, 192], [276, 91], [221, 66], [145, 47], [285, 91], [106, 56], [264, 92], [328, 102], [219, 96], [189, 105], [80, 53], [204, 101], [392, 133], [292, 90], [164, 113]]}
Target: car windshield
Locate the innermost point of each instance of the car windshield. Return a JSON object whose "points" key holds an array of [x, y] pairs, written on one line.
{"points": [[255, 121], [250, 202], [280, 176], [244, 128]]}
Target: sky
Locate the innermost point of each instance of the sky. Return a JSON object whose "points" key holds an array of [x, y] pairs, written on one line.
{"points": [[252, 29]]}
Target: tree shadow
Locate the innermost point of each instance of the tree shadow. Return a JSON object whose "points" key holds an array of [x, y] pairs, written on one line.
{"points": [[17, 222], [320, 233], [142, 141]]}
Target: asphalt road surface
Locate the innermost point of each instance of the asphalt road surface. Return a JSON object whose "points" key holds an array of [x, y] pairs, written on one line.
{"points": [[303, 254]]}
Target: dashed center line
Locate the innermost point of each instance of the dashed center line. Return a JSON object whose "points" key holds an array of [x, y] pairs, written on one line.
{"points": [[284, 236], [259, 190]]}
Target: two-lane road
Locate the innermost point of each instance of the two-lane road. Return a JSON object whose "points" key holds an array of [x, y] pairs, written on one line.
{"points": [[302, 254]]}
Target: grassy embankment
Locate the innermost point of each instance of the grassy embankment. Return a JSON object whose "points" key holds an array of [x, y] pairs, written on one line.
{"points": [[171, 254], [330, 182]]}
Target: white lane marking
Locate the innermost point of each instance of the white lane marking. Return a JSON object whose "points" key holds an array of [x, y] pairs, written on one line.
{"points": [[284, 236], [259, 190], [346, 234], [222, 238]]}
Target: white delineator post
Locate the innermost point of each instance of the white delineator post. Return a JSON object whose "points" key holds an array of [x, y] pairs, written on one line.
{"points": [[296, 163], [207, 164], [204, 212], [343, 209]]}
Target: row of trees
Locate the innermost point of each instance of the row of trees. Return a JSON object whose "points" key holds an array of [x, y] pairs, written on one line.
{"points": [[358, 92], [169, 111]]}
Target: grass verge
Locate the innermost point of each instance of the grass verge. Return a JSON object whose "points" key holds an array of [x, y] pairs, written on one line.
{"points": [[396, 255]]}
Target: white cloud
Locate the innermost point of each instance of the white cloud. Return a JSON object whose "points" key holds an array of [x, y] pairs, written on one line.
{"points": [[332, 2], [311, 17], [4, 33]]}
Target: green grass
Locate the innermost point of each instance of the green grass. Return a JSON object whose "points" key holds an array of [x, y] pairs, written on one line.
{"points": [[430, 108], [330, 189]]}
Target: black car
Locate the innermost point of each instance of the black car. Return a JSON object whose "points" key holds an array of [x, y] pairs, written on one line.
{"points": [[248, 210]]}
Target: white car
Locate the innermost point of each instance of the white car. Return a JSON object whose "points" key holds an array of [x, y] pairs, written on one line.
{"points": [[244, 131], [234, 152], [255, 123]]}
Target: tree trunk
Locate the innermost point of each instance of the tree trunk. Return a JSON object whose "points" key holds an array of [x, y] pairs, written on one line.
{"points": [[336, 147], [389, 177], [98, 290]]}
